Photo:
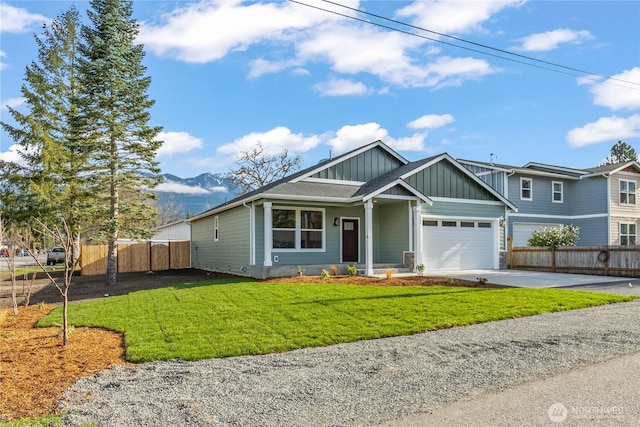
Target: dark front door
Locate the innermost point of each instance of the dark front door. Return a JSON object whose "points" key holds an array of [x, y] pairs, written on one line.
{"points": [[350, 240]]}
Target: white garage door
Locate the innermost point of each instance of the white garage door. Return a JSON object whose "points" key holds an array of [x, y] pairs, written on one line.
{"points": [[522, 232], [458, 244]]}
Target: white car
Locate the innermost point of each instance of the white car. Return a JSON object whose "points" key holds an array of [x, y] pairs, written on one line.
{"points": [[55, 255]]}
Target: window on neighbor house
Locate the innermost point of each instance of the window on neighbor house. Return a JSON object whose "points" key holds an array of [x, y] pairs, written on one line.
{"points": [[298, 229], [526, 189], [627, 234], [627, 192], [557, 193], [216, 228]]}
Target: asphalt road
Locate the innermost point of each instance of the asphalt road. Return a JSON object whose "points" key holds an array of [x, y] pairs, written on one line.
{"points": [[604, 394]]}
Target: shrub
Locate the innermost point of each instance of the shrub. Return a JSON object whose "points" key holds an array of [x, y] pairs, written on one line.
{"points": [[352, 270], [389, 273], [420, 269], [325, 274], [553, 237], [300, 270], [334, 270]]}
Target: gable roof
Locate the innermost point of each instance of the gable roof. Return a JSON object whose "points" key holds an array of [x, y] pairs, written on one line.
{"points": [[298, 186], [613, 168]]}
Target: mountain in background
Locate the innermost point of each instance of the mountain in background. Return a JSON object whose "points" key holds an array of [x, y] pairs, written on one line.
{"points": [[194, 195]]}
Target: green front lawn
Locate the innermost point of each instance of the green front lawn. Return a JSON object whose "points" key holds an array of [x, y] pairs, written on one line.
{"points": [[239, 317]]}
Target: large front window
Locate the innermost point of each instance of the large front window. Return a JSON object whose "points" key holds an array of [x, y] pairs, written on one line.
{"points": [[295, 228], [627, 234], [627, 192]]}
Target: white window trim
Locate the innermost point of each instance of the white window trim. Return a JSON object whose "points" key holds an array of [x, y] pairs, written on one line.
{"points": [[298, 229], [522, 179], [554, 192], [627, 192], [634, 235], [216, 228]]}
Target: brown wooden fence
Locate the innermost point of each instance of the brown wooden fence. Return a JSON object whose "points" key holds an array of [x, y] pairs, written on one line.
{"points": [[600, 260], [133, 257]]}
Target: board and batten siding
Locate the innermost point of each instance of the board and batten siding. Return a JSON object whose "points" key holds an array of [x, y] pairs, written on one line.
{"points": [[231, 253], [623, 213], [362, 167], [443, 179], [494, 178]]}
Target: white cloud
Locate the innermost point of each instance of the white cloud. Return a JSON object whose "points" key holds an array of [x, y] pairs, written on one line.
{"points": [[12, 155], [549, 40], [177, 142], [207, 30], [3, 66], [353, 136], [446, 71], [18, 20], [453, 16], [12, 102], [355, 49], [275, 140], [605, 129], [176, 187], [617, 95], [341, 87], [431, 121]]}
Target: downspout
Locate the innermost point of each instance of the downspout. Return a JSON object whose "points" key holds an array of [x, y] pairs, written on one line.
{"points": [[608, 177], [251, 233]]}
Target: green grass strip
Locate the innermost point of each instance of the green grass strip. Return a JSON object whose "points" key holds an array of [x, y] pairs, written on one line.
{"points": [[238, 317]]}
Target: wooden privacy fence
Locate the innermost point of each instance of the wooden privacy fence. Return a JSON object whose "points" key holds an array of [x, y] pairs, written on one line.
{"points": [[600, 260], [134, 257]]}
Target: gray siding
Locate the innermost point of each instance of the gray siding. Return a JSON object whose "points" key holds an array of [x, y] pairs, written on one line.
{"points": [[231, 252], [589, 196], [445, 180], [391, 232], [541, 202], [472, 210], [593, 231], [495, 179], [363, 167]]}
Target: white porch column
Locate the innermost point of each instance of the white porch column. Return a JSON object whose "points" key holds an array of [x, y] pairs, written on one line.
{"points": [[368, 238], [268, 234], [417, 221]]}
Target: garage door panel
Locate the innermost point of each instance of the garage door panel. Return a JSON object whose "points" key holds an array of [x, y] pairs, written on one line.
{"points": [[458, 248]]}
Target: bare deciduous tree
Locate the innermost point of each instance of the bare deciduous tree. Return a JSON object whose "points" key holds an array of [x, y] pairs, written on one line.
{"points": [[257, 168]]}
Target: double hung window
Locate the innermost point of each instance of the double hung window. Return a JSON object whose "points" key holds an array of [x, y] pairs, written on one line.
{"points": [[298, 228], [627, 192]]}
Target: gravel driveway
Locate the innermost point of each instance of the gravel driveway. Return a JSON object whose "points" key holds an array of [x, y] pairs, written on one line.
{"points": [[363, 383]]}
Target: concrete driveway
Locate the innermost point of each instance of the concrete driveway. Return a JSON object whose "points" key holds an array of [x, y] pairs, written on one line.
{"points": [[537, 279]]}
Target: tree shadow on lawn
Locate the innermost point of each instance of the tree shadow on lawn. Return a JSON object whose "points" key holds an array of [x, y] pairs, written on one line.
{"points": [[85, 288]]}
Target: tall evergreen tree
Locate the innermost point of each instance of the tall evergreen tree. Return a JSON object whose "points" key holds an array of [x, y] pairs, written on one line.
{"points": [[620, 152], [115, 117], [50, 181]]}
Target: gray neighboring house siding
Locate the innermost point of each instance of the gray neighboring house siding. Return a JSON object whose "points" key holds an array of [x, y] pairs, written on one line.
{"points": [[589, 196]]}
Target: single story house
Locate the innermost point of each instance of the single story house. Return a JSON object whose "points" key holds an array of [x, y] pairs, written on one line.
{"points": [[370, 207]]}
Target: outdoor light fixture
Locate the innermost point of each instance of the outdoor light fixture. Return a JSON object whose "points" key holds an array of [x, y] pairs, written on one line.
{"points": [[336, 221]]}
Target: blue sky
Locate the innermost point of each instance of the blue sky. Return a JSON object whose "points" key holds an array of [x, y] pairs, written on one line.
{"points": [[226, 74]]}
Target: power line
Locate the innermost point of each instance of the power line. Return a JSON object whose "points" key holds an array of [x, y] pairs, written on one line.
{"points": [[545, 65]]}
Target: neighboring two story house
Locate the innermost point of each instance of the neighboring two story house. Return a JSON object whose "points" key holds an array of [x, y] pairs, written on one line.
{"points": [[601, 200]]}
